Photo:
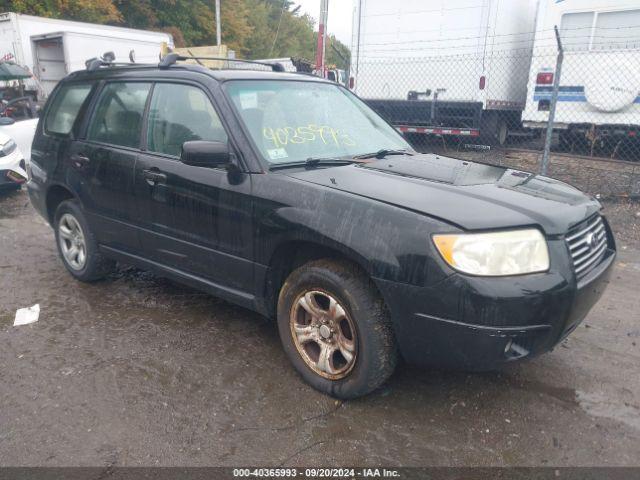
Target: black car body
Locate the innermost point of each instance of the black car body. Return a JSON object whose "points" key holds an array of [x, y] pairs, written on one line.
{"points": [[239, 230]]}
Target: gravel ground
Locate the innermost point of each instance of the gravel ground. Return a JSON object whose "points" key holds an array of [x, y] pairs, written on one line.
{"points": [[603, 177], [136, 370]]}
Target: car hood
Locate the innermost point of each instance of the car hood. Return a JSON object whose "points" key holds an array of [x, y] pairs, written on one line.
{"points": [[470, 195]]}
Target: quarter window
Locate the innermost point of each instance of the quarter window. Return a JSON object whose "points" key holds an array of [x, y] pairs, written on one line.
{"points": [[178, 114], [65, 107], [118, 116]]}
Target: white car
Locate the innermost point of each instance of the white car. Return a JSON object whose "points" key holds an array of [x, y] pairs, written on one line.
{"points": [[15, 151], [13, 168], [22, 131]]}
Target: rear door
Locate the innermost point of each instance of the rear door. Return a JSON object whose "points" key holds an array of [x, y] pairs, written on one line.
{"points": [[105, 161], [194, 219], [51, 142]]}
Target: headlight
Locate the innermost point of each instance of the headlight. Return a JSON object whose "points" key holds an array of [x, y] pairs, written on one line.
{"points": [[7, 148], [511, 252]]}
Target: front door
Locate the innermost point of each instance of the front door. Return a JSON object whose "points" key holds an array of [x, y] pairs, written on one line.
{"points": [[196, 220]]}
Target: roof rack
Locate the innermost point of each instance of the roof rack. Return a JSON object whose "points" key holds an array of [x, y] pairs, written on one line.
{"points": [[172, 58], [108, 60]]}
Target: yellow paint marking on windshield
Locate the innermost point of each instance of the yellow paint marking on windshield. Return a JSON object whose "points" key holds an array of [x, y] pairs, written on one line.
{"points": [[307, 134]]}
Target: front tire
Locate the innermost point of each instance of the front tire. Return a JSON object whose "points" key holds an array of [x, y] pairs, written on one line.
{"points": [[335, 329], [77, 245]]}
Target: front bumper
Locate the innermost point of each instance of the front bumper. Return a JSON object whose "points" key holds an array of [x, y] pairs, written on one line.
{"points": [[476, 323]]}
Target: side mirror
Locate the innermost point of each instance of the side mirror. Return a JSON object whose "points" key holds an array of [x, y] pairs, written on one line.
{"points": [[7, 121], [205, 154]]}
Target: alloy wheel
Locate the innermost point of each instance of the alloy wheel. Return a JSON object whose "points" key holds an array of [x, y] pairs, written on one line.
{"points": [[324, 334], [72, 242]]}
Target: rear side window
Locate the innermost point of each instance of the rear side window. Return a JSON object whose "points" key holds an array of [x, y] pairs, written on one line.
{"points": [[117, 118], [65, 107], [178, 114]]}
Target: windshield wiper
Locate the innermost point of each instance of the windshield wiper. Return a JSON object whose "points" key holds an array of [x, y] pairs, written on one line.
{"points": [[380, 154], [313, 162]]}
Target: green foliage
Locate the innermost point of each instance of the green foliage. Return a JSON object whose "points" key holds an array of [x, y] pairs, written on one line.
{"points": [[97, 11], [253, 28]]}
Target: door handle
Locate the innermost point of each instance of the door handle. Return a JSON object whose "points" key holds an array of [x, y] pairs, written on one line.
{"points": [[79, 161], [154, 177]]}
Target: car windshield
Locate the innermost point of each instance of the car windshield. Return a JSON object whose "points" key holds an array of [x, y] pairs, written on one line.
{"points": [[293, 121]]}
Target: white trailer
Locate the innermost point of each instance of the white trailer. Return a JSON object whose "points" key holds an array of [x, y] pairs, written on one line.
{"points": [[444, 66], [53, 48], [599, 91]]}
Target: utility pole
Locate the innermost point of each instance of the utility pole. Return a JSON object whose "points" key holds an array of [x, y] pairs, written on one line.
{"points": [[218, 27], [552, 104], [322, 38]]}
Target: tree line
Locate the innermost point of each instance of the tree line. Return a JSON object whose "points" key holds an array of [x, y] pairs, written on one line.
{"points": [[252, 28]]}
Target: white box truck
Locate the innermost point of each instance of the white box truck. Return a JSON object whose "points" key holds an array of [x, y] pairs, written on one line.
{"points": [[53, 48], [448, 67], [599, 94]]}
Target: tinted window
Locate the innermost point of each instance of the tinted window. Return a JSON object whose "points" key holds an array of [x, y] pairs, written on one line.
{"points": [[178, 114], [65, 108], [117, 119]]}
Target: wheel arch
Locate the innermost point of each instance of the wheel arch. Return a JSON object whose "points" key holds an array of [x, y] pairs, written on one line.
{"points": [[294, 253], [56, 194]]}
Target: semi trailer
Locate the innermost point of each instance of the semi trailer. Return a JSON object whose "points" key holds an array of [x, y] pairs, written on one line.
{"points": [[447, 67]]}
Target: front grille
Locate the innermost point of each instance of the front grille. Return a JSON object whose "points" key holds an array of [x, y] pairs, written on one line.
{"points": [[587, 244]]}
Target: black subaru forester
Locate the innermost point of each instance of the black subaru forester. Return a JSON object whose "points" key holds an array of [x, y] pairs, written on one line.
{"points": [[288, 195]]}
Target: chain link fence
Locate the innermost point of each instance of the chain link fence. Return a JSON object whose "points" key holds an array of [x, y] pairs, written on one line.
{"points": [[496, 108]]}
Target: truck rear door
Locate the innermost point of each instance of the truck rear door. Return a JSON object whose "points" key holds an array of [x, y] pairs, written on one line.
{"points": [[49, 60]]}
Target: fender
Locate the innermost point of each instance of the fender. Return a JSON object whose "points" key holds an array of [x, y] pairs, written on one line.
{"points": [[389, 242]]}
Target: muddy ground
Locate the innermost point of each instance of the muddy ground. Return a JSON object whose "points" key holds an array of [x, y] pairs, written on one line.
{"points": [[137, 370]]}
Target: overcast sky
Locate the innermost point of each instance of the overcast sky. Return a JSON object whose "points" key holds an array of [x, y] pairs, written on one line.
{"points": [[339, 22]]}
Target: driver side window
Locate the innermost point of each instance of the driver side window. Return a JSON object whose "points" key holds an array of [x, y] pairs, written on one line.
{"points": [[181, 113]]}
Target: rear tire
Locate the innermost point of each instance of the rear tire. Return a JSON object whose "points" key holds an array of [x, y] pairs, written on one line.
{"points": [[77, 245], [503, 133], [335, 329], [494, 128]]}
